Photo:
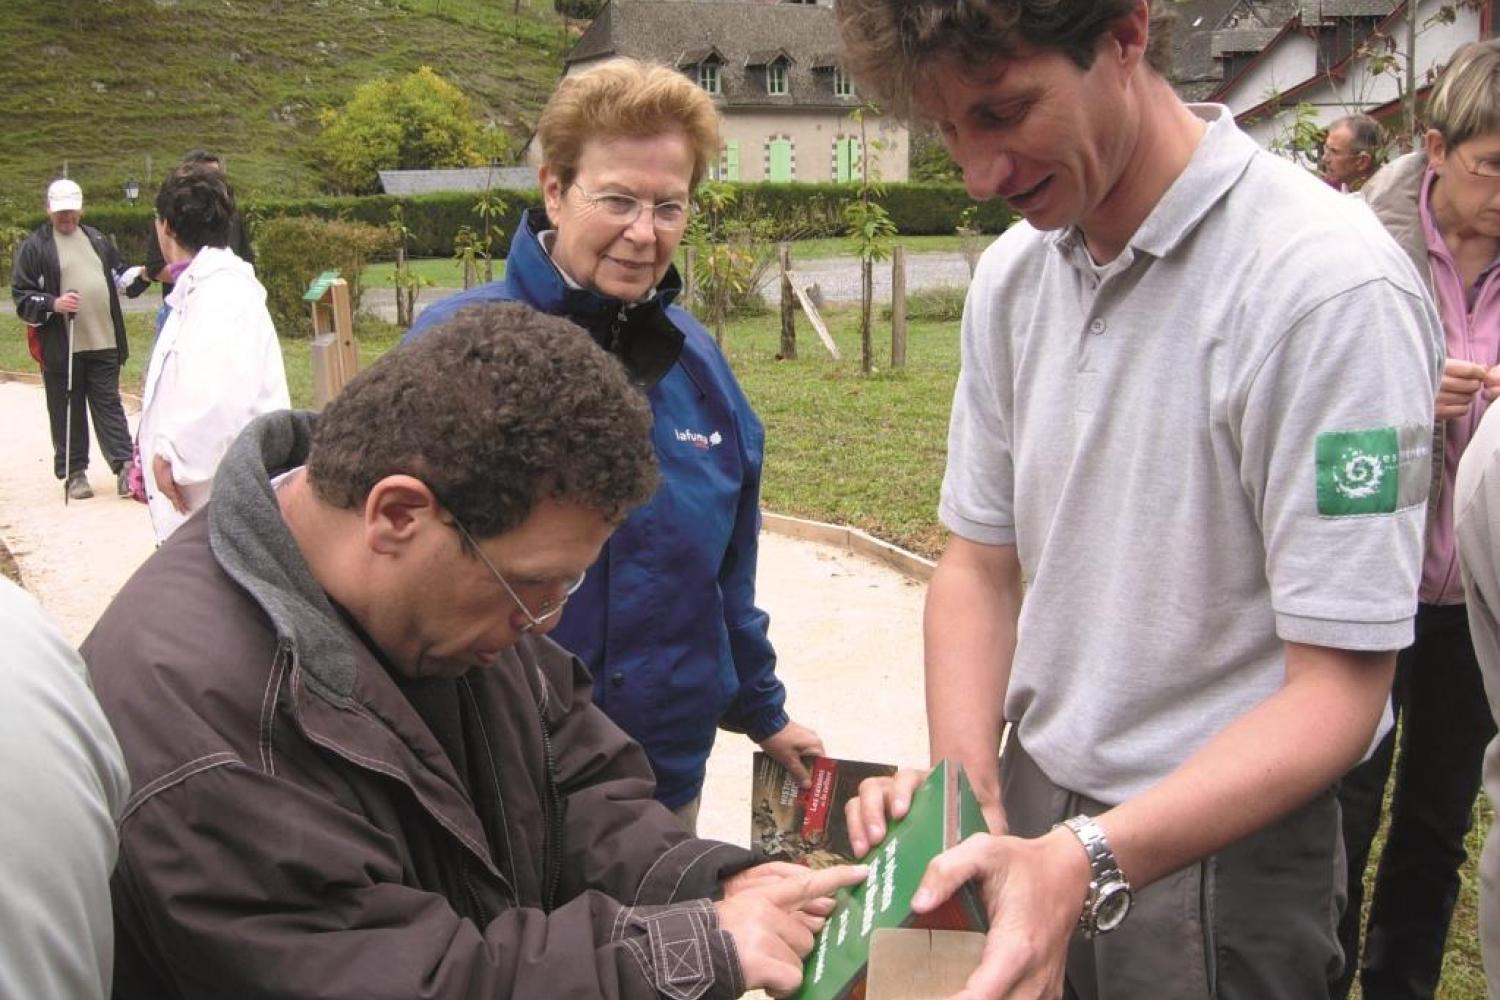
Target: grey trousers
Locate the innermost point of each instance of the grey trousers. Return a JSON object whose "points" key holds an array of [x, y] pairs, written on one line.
{"points": [[1257, 921]]}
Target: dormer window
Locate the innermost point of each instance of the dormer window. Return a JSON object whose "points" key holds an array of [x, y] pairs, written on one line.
{"points": [[842, 85], [708, 76], [776, 78]]}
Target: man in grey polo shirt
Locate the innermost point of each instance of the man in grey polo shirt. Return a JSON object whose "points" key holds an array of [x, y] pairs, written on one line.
{"points": [[1194, 417]]}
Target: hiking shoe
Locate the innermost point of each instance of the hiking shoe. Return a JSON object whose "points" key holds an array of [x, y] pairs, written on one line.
{"points": [[78, 487], [122, 481]]}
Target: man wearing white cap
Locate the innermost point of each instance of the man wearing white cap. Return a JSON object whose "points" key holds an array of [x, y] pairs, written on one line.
{"points": [[68, 272]]}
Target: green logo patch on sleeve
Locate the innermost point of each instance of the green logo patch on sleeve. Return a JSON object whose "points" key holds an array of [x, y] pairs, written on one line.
{"points": [[1358, 472]]}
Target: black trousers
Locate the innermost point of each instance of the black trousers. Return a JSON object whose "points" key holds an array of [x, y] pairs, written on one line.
{"points": [[1438, 696], [96, 389]]}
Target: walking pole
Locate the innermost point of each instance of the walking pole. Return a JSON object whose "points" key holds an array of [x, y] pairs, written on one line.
{"points": [[68, 420]]}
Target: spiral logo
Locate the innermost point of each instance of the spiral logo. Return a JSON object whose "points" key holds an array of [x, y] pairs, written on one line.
{"points": [[1358, 474]]}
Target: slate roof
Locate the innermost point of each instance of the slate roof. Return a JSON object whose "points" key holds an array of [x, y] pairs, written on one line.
{"points": [[409, 182], [744, 34], [1316, 11], [1195, 72], [1242, 40]]}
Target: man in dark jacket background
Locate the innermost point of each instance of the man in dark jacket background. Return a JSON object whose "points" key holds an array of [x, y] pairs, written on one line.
{"points": [[362, 769], [64, 270]]}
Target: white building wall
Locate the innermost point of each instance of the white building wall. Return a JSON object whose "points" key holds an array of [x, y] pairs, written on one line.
{"points": [[1294, 59]]}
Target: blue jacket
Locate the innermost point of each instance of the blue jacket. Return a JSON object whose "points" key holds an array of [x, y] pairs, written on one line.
{"points": [[666, 619]]}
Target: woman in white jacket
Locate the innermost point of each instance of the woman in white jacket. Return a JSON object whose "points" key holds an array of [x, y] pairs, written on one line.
{"points": [[217, 363]]}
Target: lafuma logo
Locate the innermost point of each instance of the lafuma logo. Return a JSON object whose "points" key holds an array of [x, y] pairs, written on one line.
{"points": [[703, 441]]}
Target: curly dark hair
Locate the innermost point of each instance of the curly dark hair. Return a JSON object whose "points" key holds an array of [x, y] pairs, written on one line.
{"points": [[890, 44], [196, 202], [496, 408]]}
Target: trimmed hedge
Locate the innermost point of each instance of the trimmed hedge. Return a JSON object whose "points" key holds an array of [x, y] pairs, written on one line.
{"points": [[917, 209]]}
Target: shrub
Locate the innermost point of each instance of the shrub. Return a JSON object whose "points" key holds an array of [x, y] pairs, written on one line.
{"points": [[433, 219], [917, 209], [292, 251], [417, 121]]}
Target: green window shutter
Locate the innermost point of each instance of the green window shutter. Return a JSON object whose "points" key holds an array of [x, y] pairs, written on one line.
{"points": [[843, 161], [781, 160], [732, 160]]}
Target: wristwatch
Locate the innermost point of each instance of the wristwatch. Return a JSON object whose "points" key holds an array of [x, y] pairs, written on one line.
{"points": [[1108, 900]]}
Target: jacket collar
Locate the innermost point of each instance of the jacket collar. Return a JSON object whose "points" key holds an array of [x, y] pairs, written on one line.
{"points": [[355, 709], [642, 335], [206, 263], [1394, 195]]}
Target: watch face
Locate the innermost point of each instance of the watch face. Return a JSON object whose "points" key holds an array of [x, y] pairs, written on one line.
{"points": [[1113, 905]]}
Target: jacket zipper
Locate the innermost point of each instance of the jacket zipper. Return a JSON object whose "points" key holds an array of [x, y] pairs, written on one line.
{"points": [[552, 842], [552, 848], [616, 326]]}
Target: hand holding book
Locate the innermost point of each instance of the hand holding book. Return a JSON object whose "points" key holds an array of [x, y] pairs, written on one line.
{"points": [[1031, 890]]}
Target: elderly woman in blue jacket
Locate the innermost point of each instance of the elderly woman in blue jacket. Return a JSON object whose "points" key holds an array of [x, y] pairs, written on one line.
{"points": [[666, 619]]}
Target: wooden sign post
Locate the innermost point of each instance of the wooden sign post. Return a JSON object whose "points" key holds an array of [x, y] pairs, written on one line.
{"points": [[335, 354]]}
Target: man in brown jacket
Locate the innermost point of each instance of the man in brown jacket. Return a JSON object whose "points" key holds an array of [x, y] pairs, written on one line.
{"points": [[361, 769]]}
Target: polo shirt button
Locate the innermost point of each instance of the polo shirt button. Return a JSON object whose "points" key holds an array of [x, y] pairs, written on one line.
{"points": [[1097, 326], [617, 678]]}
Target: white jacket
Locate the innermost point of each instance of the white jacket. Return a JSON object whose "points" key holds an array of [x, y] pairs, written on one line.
{"points": [[216, 366]]}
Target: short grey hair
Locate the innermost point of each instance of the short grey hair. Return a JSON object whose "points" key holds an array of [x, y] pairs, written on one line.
{"points": [[1465, 102], [1364, 132]]}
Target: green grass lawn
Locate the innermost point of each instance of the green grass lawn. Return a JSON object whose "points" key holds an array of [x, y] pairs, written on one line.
{"points": [[840, 447]]}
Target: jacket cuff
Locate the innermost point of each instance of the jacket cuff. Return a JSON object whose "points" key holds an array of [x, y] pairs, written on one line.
{"points": [[767, 723], [681, 950]]}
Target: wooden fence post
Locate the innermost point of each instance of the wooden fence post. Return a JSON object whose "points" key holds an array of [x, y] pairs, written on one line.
{"points": [[898, 307], [788, 304]]}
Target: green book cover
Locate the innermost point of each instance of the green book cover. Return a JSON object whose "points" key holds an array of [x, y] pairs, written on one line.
{"points": [[943, 812]]}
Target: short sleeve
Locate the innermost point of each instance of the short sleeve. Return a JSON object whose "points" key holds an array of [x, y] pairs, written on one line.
{"points": [[1336, 431], [978, 495]]}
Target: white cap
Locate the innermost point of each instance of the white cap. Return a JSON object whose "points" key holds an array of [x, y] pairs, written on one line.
{"points": [[64, 196]]}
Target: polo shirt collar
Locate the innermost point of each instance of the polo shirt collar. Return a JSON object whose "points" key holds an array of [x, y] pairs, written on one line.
{"points": [[1222, 155]]}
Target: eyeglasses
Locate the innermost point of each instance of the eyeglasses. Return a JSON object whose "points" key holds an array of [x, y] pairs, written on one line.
{"points": [[1488, 168], [549, 609], [668, 216]]}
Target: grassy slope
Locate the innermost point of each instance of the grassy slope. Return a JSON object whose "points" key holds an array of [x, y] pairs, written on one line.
{"points": [[103, 83]]}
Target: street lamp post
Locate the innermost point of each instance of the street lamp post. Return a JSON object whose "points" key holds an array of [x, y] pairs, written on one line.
{"points": [[132, 190]]}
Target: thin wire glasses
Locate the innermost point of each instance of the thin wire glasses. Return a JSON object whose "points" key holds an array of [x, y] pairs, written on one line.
{"points": [[668, 216], [549, 609], [1488, 168]]}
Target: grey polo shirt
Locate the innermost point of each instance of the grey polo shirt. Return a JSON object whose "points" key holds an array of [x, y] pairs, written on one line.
{"points": [[1215, 443]]}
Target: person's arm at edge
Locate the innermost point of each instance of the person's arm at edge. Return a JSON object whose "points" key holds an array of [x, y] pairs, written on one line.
{"points": [[969, 640]]}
